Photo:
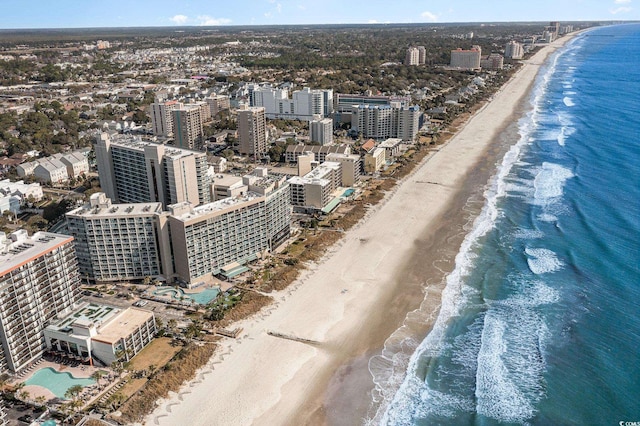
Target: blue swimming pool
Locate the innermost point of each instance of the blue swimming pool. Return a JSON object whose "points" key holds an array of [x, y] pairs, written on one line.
{"points": [[56, 382], [202, 298], [349, 192]]}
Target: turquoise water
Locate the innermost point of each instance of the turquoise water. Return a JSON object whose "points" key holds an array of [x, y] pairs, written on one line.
{"points": [[56, 382], [202, 298], [539, 321], [49, 423], [348, 192]]}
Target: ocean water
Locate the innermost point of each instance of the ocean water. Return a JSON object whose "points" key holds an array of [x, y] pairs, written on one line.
{"points": [[540, 319]]}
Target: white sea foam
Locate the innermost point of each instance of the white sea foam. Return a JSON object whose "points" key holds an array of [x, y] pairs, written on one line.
{"points": [[547, 217], [412, 398], [528, 234], [542, 261], [568, 101], [549, 183]]}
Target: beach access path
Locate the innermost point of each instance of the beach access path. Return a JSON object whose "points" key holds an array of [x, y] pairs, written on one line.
{"points": [[348, 304]]}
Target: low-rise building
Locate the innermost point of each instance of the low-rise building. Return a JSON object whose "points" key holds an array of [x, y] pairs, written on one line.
{"points": [[351, 167], [313, 190], [105, 333], [375, 160], [320, 152]]}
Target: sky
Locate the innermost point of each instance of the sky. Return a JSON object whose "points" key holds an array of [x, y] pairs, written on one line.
{"points": [[141, 13]]}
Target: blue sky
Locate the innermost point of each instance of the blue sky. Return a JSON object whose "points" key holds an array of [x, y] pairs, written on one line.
{"points": [[124, 13]]}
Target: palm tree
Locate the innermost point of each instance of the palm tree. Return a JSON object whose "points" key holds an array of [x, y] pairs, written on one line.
{"points": [[73, 392], [115, 401], [24, 395], [40, 400], [97, 375]]}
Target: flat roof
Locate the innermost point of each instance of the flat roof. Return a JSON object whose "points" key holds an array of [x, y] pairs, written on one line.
{"points": [[217, 206], [14, 254], [86, 315], [123, 325], [117, 210]]}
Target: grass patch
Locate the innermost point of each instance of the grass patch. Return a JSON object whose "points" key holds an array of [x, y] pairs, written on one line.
{"points": [[157, 353]]}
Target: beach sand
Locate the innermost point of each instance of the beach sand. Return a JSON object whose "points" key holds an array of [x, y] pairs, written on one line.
{"points": [[390, 264]]}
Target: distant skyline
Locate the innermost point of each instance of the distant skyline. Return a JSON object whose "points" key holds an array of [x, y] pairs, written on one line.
{"points": [[142, 13]]}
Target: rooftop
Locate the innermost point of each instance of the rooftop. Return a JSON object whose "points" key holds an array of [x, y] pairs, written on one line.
{"points": [[20, 249], [123, 325], [217, 206]]}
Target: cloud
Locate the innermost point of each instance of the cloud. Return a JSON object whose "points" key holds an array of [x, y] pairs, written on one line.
{"points": [[622, 9], [302, 7], [622, 1], [268, 15], [179, 19], [372, 21], [209, 21], [429, 16], [279, 8]]}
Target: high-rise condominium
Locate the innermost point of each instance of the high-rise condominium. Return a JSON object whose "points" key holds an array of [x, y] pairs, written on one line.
{"points": [[252, 131]]}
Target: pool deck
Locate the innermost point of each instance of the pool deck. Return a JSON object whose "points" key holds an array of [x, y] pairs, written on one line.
{"points": [[90, 393]]}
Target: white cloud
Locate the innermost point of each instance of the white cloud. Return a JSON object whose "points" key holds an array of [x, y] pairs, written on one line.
{"points": [[268, 15], [622, 1], [209, 21], [622, 9], [429, 16], [179, 19], [279, 8]]}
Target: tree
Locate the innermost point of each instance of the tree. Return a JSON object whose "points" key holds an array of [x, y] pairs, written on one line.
{"points": [[97, 375], [115, 401], [73, 392], [24, 395]]}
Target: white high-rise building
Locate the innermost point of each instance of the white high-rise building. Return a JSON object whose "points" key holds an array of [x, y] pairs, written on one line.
{"points": [[466, 59], [321, 131], [422, 55], [116, 242], [161, 118], [305, 104], [39, 280], [386, 121], [513, 50]]}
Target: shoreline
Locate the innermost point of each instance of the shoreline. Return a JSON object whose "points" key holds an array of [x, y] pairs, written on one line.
{"points": [[358, 294]]}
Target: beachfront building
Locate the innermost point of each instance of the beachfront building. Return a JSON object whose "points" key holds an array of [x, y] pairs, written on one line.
{"points": [[188, 132], [102, 332], [513, 50], [494, 61], [135, 171], [252, 131], [350, 166], [466, 59], [313, 191], [320, 153], [374, 160], [392, 147], [383, 122], [39, 280], [161, 117], [116, 242], [321, 131], [207, 239]]}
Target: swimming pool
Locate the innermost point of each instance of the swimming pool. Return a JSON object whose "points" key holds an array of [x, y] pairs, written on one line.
{"points": [[348, 192], [56, 382], [202, 298]]}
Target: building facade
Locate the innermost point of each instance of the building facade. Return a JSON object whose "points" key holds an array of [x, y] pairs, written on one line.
{"points": [[412, 57], [513, 50], [466, 59], [162, 118], [252, 131], [120, 242], [321, 131], [135, 171], [187, 127], [39, 280], [383, 122]]}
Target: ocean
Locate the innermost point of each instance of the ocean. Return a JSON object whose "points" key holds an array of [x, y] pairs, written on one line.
{"points": [[540, 319]]}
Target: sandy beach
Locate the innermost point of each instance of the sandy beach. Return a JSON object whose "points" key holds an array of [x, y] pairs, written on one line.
{"points": [[389, 265]]}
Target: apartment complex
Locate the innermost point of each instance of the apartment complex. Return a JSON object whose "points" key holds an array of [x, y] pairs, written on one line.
{"points": [[217, 103], [252, 131], [186, 243], [374, 160], [313, 191], [495, 61], [39, 280], [107, 333], [513, 50], [466, 59], [321, 131], [345, 103], [135, 171], [383, 122], [320, 153], [412, 57], [350, 167], [187, 126], [120, 242], [208, 238], [305, 104], [161, 117], [56, 169]]}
